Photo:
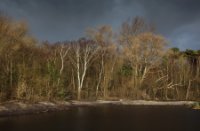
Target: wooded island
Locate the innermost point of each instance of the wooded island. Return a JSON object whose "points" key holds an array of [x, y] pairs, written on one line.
{"points": [[134, 63]]}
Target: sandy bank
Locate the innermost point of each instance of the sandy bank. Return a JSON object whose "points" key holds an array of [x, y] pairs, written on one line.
{"points": [[20, 108]]}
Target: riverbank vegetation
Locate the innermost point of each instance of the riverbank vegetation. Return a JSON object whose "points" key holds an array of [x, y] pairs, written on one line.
{"points": [[134, 63]]}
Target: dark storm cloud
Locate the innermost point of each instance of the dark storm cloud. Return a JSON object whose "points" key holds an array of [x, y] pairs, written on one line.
{"points": [[178, 20], [57, 20]]}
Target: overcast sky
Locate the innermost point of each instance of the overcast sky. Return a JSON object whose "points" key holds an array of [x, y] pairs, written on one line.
{"points": [[59, 20]]}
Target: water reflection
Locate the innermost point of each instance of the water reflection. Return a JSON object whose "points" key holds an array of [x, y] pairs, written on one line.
{"points": [[108, 118]]}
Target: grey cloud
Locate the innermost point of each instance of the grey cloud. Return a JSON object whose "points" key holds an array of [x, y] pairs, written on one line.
{"points": [[187, 36], [54, 20]]}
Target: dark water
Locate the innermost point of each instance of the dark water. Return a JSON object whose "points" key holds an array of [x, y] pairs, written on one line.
{"points": [[108, 118]]}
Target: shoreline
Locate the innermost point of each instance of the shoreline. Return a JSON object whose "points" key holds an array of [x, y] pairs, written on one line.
{"points": [[17, 108]]}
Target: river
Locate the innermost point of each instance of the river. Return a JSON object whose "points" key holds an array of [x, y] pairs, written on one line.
{"points": [[108, 118]]}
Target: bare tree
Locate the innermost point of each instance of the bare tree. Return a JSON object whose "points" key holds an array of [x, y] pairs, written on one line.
{"points": [[64, 49], [63, 53], [103, 36], [83, 53]]}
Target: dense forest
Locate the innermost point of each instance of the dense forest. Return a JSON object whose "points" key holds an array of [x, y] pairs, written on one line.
{"points": [[134, 63]]}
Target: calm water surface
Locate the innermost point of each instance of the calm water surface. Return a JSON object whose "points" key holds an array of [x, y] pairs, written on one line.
{"points": [[108, 118]]}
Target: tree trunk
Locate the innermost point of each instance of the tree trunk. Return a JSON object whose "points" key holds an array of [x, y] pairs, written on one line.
{"points": [[100, 73], [79, 94], [166, 94], [177, 92], [188, 90]]}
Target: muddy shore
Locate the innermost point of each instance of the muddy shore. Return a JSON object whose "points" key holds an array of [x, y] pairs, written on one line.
{"points": [[14, 108]]}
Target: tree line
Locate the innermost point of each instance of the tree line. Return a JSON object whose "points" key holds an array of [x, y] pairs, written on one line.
{"points": [[134, 63]]}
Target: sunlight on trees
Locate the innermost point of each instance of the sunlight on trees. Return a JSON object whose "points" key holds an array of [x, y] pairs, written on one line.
{"points": [[135, 64]]}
